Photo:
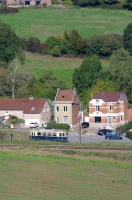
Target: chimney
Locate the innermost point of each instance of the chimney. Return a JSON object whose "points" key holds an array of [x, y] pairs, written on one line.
{"points": [[31, 98], [58, 89], [91, 95]]}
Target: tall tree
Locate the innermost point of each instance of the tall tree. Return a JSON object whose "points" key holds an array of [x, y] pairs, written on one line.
{"points": [[10, 44], [120, 72], [127, 38], [13, 68], [87, 74], [100, 86]]}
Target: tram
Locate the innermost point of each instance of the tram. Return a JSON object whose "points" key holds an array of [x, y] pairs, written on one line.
{"points": [[50, 135]]}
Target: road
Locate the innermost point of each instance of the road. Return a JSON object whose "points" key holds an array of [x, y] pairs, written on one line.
{"points": [[73, 136]]}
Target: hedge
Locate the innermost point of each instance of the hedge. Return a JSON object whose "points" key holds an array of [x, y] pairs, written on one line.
{"points": [[129, 135]]}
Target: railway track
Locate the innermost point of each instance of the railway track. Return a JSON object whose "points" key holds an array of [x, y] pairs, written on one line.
{"points": [[69, 147]]}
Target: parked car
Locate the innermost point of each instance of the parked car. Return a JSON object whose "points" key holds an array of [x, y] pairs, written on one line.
{"points": [[114, 136], [85, 124], [49, 127], [104, 131], [34, 125]]}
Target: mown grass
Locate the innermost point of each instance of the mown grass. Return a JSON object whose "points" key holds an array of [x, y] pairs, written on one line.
{"points": [[35, 176], [43, 22]]}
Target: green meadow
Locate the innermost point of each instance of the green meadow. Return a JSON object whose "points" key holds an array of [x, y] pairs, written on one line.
{"points": [[57, 177], [43, 22]]}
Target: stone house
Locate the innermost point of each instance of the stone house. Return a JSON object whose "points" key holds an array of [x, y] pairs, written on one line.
{"points": [[66, 107]]}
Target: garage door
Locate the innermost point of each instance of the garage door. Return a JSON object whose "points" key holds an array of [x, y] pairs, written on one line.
{"points": [[28, 121]]}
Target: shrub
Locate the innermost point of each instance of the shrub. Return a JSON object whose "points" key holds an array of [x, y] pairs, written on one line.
{"points": [[59, 126], [129, 135], [124, 128], [56, 51], [7, 10], [33, 44]]}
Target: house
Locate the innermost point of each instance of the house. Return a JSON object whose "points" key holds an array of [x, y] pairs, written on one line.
{"points": [[108, 109], [129, 114], [28, 109], [27, 2], [66, 107]]}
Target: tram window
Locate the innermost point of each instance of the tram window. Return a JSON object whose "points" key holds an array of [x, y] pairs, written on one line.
{"points": [[39, 133], [49, 134], [44, 133], [54, 134], [59, 134], [63, 134]]}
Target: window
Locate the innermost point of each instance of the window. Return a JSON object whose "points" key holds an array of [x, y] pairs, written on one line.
{"points": [[97, 119], [65, 119], [65, 108], [63, 97], [57, 119], [47, 109], [33, 108], [44, 110], [97, 108], [121, 117], [27, 2], [97, 101], [111, 107], [57, 109]]}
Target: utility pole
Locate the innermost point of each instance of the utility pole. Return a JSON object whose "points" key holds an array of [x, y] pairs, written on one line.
{"points": [[80, 128]]}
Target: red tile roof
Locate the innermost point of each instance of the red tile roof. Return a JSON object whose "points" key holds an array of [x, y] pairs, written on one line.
{"points": [[29, 106], [65, 95], [129, 114], [110, 96]]}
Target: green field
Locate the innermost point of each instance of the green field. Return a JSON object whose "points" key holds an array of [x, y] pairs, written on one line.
{"points": [[43, 22], [43, 176]]}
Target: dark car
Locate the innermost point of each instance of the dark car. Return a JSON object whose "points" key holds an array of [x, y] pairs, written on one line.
{"points": [[104, 131], [49, 127], [113, 136], [85, 124]]}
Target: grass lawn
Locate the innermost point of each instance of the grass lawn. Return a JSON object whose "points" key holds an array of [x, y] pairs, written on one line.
{"points": [[43, 22], [57, 177]]}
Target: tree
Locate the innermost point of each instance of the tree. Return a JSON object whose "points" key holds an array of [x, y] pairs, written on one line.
{"points": [[87, 74], [10, 44], [13, 68], [100, 86], [120, 72], [127, 38], [49, 84], [4, 87]]}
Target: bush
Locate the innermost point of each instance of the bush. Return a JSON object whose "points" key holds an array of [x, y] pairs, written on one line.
{"points": [[104, 45], [56, 51], [33, 44], [124, 128], [59, 126], [7, 10], [129, 135]]}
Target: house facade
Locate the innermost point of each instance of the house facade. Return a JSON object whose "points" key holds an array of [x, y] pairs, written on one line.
{"points": [[27, 2], [108, 109], [66, 107], [30, 110]]}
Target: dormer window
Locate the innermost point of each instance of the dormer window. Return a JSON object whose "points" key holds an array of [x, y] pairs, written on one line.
{"points": [[97, 101], [63, 97]]}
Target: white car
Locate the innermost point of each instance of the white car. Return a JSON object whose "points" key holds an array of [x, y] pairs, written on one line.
{"points": [[34, 124]]}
